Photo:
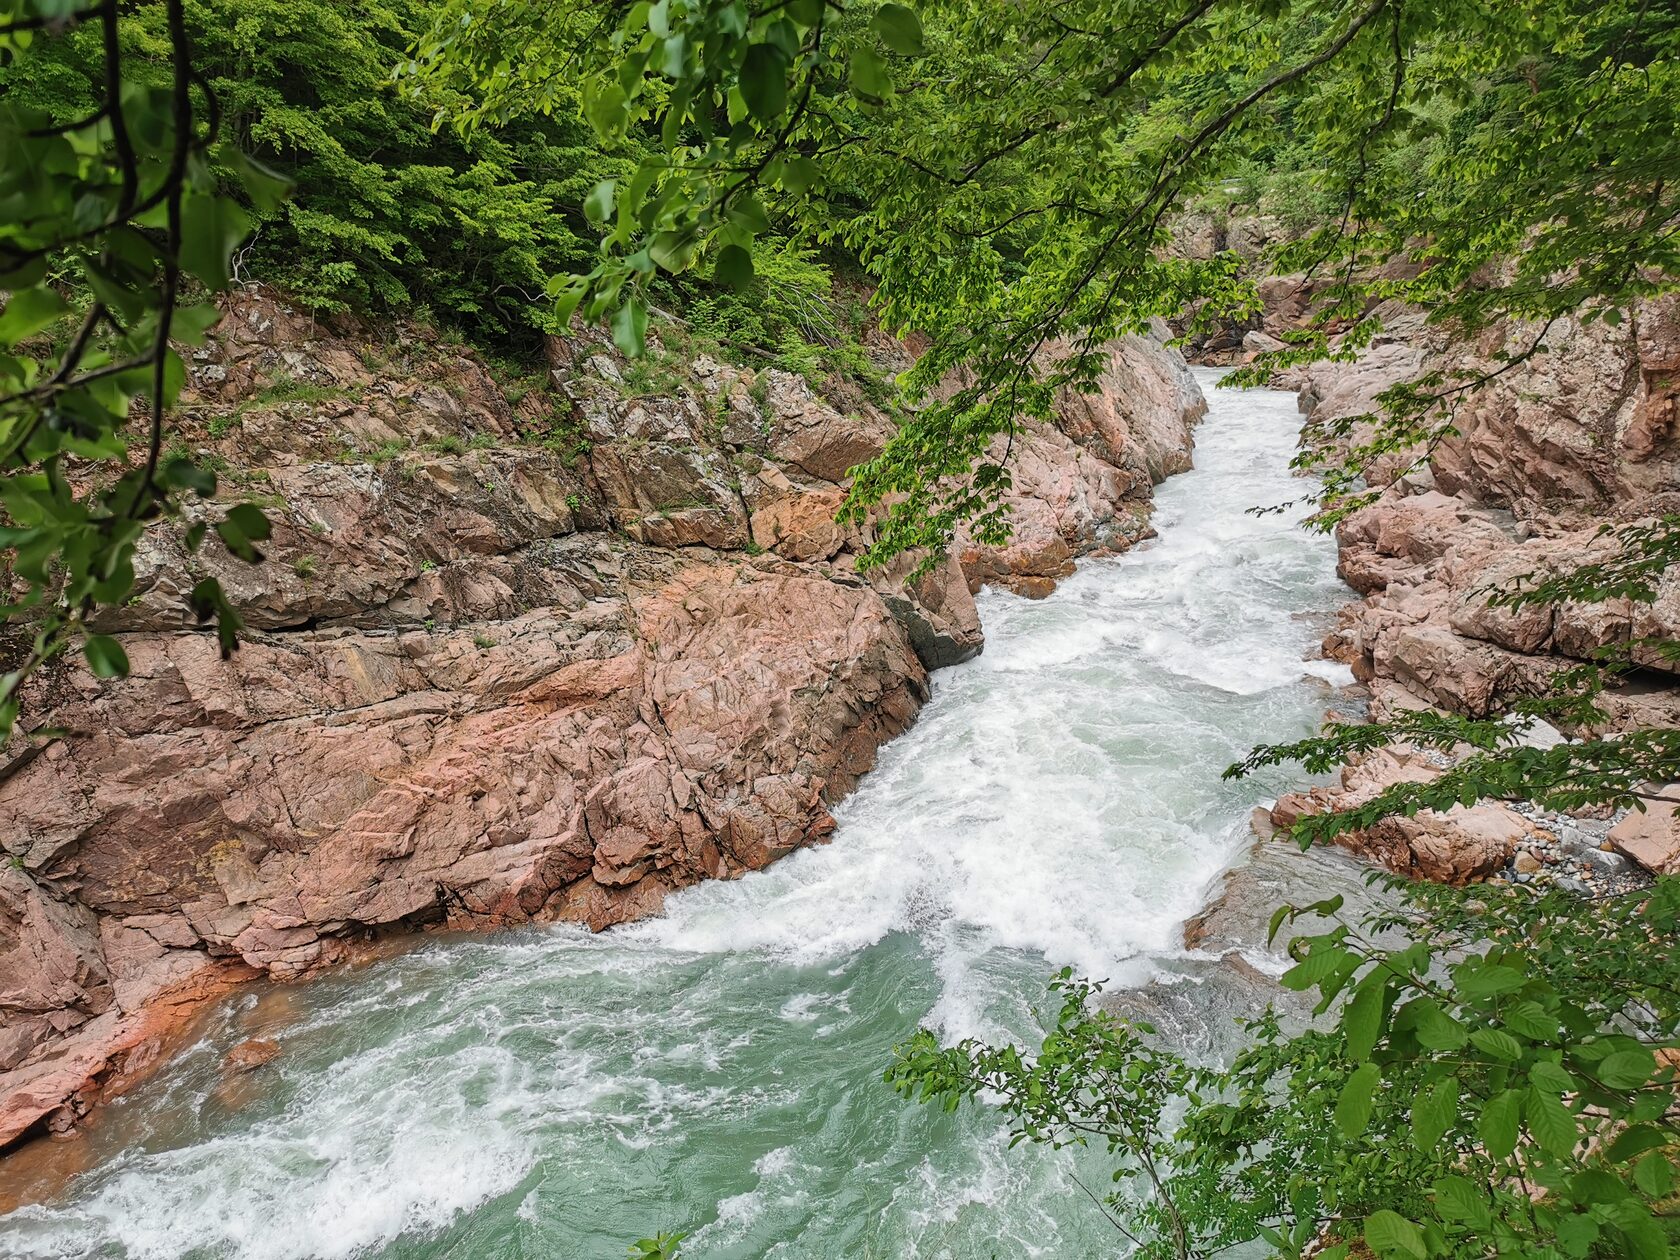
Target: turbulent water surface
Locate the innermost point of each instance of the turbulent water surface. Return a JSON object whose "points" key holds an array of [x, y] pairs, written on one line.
{"points": [[547, 1093]]}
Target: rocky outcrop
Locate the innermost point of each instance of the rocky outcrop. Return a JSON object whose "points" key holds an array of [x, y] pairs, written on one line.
{"points": [[1582, 427], [1544, 453], [1081, 487], [538, 652], [1468, 844]]}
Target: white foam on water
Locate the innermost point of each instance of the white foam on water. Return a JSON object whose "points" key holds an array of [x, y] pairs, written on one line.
{"points": [[1058, 803]]}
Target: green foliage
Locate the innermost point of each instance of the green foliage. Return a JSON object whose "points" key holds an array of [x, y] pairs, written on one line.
{"points": [[661, 1246], [386, 214], [787, 300], [1504, 1085], [115, 229]]}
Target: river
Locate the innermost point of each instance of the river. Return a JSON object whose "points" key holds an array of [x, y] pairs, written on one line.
{"points": [[548, 1093]]}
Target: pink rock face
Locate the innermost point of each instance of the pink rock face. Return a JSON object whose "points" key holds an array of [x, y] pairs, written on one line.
{"points": [[1545, 454], [1429, 624], [1652, 837], [1586, 427], [550, 660], [1459, 846], [1082, 486]]}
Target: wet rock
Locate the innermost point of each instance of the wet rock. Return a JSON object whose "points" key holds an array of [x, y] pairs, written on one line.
{"points": [[250, 1054]]}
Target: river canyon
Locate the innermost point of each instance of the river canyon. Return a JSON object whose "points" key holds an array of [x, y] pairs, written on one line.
{"points": [[546, 1091]]}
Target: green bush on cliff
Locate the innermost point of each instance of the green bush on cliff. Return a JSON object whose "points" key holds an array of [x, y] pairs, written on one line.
{"points": [[1007, 173]]}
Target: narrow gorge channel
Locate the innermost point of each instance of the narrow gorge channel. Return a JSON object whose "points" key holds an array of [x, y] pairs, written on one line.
{"points": [[549, 1093]]}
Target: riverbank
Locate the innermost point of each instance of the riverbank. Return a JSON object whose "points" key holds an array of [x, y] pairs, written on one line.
{"points": [[1547, 456]]}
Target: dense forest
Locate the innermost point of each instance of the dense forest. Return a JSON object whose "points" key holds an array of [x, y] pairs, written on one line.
{"points": [[1005, 187]]}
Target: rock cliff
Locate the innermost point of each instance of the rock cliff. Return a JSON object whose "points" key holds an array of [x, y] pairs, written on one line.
{"points": [[515, 653], [1553, 447]]}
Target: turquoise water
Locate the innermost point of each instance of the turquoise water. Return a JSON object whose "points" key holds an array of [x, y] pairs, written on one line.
{"points": [[547, 1093]]}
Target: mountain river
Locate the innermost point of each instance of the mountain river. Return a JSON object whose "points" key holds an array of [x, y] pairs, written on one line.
{"points": [[548, 1093]]}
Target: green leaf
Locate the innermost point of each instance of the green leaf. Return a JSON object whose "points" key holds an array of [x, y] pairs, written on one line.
{"points": [[211, 228], [870, 78], [1627, 1069], [250, 521], [1551, 1123], [1548, 1075], [1488, 980], [672, 55], [673, 250], [1390, 1234], [1353, 1105], [1499, 1044], [28, 312], [1362, 1021], [1433, 1112], [181, 473], [1642, 1237], [1316, 966], [734, 267], [567, 299], [899, 28], [800, 174], [764, 81], [1458, 1199], [1635, 1141], [629, 327], [1576, 1233], [606, 107], [105, 656], [747, 213], [598, 206], [1498, 1124], [1529, 1019], [1437, 1030], [1654, 1175]]}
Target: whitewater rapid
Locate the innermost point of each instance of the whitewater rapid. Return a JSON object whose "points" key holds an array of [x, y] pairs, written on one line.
{"points": [[550, 1093]]}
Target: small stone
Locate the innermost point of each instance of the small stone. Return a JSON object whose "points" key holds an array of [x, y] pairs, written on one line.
{"points": [[251, 1054], [1526, 863]]}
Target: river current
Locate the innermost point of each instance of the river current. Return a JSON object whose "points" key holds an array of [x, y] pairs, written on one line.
{"points": [[548, 1093]]}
